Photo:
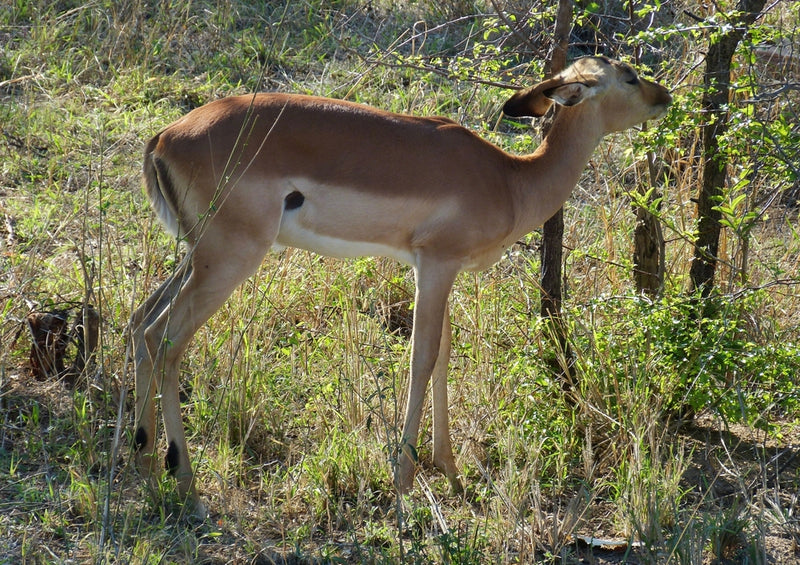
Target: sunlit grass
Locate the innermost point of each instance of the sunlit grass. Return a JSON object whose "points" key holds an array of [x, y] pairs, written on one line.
{"points": [[294, 390]]}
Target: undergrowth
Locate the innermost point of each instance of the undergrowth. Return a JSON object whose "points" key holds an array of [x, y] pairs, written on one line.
{"points": [[669, 422]]}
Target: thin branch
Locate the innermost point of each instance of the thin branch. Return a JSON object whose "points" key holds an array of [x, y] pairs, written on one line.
{"points": [[514, 29], [440, 71]]}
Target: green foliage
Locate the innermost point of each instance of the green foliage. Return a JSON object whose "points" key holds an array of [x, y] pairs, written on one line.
{"points": [[293, 392], [759, 146], [701, 355]]}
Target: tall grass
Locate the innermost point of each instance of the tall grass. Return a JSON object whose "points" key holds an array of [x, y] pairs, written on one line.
{"points": [[293, 391]]}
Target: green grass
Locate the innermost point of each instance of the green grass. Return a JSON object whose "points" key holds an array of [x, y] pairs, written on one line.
{"points": [[294, 390]]}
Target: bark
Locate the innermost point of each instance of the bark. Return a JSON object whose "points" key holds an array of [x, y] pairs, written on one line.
{"points": [[715, 100], [648, 241], [648, 237], [648, 254]]}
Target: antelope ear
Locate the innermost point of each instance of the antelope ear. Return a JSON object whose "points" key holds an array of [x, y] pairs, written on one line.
{"points": [[570, 94], [532, 101], [536, 100]]}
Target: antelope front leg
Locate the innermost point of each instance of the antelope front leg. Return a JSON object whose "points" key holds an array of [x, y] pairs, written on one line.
{"points": [[442, 448], [434, 281]]}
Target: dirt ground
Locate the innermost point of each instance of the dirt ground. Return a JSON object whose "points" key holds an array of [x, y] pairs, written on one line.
{"points": [[736, 471]]}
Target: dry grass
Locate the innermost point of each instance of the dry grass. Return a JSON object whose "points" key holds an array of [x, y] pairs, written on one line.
{"points": [[293, 390]]}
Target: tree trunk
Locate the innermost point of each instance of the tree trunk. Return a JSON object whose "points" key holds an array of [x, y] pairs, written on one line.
{"points": [[552, 249], [648, 240], [648, 254], [553, 229], [716, 93], [551, 257]]}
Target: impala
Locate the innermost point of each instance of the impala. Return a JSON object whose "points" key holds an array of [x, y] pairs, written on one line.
{"points": [[244, 174]]}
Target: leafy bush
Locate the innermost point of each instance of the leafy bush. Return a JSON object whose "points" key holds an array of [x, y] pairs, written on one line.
{"points": [[716, 354]]}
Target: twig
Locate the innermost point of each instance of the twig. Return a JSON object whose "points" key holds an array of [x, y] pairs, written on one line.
{"points": [[440, 71], [11, 81], [514, 29]]}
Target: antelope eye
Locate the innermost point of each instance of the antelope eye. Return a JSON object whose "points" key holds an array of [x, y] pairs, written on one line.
{"points": [[634, 80]]}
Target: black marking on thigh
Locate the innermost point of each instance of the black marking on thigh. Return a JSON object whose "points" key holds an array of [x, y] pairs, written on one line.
{"points": [[140, 439], [172, 458], [293, 200], [165, 184]]}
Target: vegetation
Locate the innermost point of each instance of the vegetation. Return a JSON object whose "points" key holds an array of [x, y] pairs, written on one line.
{"points": [[676, 430]]}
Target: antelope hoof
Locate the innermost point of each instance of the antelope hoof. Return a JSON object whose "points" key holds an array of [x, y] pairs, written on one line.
{"points": [[195, 509], [456, 489]]}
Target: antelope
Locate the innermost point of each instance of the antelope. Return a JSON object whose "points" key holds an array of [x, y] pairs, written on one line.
{"points": [[243, 174]]}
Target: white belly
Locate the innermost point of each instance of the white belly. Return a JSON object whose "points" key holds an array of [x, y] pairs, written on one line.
{"points": [[293, 235]]}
